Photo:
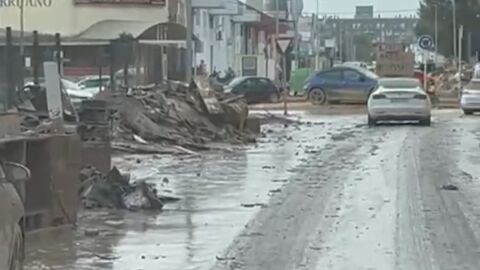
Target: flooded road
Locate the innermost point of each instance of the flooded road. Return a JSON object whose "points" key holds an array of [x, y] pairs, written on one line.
{"points": [[220, 192], [392, 197], [326, 193]]}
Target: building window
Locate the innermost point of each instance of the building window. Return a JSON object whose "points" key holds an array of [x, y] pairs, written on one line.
{"points": [[378, 26], [211, 21], [205, 18], [198, 17], [402, 25]]}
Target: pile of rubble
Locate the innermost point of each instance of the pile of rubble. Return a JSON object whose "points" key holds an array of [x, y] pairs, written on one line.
{"points": [[177, 114], [114, 191]]}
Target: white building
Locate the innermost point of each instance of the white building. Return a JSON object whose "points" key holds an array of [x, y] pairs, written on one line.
{"points": [[215, 34], [240, 37], [71, 17]]}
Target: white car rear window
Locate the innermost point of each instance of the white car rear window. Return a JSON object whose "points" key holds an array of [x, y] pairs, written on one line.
{"points": [[399, 83]]}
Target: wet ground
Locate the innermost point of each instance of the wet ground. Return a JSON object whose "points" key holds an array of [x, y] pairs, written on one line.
{"points": [[329, 193]]}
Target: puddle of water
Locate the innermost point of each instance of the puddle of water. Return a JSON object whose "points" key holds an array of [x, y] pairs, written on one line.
{"points": [[187, 234], [190, 233]]}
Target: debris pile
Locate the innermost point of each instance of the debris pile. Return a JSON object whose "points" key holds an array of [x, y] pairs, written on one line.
{"points": [[181, 115], [115, 191]]}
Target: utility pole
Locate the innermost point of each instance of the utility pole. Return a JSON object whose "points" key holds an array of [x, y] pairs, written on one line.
{"points": [[436, 35], [460, 48], [277, 32], [296, 20], [189, 40], [21, 72], [454, 29], [317, 36]]}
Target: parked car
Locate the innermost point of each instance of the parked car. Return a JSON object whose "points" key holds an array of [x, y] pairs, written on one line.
{"points": [[399, 99], [12, 247], [340, 84], [356, 64], [254, 89], [75, 92], [470, 97], [93, 84]]}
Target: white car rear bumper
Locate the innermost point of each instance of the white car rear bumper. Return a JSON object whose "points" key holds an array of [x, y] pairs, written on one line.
{"points": [[470, 102]]}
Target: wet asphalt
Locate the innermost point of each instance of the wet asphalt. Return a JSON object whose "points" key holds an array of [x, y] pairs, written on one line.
{"points": [[325, 193]]}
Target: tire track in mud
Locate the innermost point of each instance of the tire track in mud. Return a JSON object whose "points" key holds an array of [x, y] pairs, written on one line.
{"points": [[433, 231], [286, 233]]}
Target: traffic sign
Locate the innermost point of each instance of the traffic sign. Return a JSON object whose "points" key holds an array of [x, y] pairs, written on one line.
{"points": [[283, 43], [426, 42]]}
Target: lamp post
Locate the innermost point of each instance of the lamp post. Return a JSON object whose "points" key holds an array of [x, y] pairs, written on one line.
{"points": [[436, 35], [454, 7], [189, 40]]}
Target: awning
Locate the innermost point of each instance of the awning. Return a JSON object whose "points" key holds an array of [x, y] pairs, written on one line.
{"points": [[112, 29], [107, 30]]}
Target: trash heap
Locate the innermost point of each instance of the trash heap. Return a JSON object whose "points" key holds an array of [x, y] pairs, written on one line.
{"points": [[178, 114], [114, 191]]}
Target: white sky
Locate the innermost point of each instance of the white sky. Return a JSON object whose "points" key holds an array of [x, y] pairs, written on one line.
{"points": [[346, 8]]}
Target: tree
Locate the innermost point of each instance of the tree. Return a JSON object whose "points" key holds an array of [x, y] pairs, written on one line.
{"points": [[364, 47], [468, 15]]}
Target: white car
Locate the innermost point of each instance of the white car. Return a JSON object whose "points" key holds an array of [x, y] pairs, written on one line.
{"points": [[75, 92], [470, 97], [93, 84], [399, 99]]}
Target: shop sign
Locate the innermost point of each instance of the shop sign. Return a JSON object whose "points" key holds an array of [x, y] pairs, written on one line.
{"points": [[27, 3]]}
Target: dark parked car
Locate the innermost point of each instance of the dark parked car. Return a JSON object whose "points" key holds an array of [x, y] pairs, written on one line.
{"points": [[340, 84], [254, 89]]}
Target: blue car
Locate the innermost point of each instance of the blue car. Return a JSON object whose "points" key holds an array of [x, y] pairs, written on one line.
{"points": [[340, 84]]}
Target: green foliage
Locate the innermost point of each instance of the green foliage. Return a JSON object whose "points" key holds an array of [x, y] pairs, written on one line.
{"points": [[364, 47], [467, 14]]}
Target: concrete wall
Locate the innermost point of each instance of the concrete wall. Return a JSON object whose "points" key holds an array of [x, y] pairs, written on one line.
{"points": [[65, 17]]}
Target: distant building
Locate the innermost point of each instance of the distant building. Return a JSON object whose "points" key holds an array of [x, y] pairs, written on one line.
{"points": [[367, 27], [364, 12]]}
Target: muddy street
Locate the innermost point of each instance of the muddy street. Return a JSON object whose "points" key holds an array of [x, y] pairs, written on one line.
{"points": [[326, 193]]}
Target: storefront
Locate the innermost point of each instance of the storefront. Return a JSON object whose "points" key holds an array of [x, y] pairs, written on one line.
{"points": [[71, 17], [87, 28]]}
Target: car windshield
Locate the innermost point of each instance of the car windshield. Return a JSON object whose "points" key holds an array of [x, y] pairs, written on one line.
{"points": [[369, 73], [235, 82], [70, 85], [406, 83]]}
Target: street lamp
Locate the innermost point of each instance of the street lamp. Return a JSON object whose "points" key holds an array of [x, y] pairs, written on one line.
{"points": [[454, 7], [436, 35]]}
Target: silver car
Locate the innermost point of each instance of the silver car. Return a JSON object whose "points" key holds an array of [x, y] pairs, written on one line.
{"points": [[399, 99], [470, 97], [11, 214]]}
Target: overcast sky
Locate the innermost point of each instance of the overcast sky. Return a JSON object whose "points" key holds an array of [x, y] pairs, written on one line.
{"points": [[346, 8]]}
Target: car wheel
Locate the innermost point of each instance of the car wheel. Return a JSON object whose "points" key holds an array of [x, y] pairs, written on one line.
{"points": [[467, 112], [317, 96], [371, 121], [18, 251], [426, 122], [274, 98]]}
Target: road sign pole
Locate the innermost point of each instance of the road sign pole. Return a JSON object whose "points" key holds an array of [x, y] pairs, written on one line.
{"points": [[283, 44], [285, 88], [425, 84]]}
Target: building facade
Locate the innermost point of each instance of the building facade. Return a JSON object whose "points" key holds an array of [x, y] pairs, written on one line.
{"points": [[71, 17], [352, 36]]}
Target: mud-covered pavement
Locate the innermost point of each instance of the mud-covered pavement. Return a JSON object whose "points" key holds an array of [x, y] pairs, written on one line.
{"points": [[326, 194]]}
